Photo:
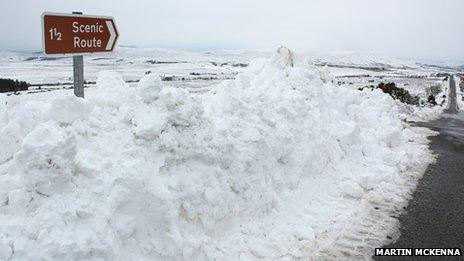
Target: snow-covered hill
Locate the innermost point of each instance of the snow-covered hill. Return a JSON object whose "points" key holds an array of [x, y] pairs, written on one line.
{"points": [[133, 63]]}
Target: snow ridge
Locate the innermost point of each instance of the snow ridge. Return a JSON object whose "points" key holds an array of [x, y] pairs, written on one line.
{"points": [[275, 164], [459, 92]]}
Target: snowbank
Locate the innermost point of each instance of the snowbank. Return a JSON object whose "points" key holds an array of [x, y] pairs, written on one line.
{"points": [[427, 113], [275, 164], [459, 92]]}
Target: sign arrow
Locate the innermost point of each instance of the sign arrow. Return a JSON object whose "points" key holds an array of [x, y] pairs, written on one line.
{"points": [[113, 35]]}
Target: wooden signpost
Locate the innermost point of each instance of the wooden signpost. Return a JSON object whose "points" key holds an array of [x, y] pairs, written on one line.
{"points": [[76, 34]]}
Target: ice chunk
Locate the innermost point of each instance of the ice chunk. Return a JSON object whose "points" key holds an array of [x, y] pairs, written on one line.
{"points": [[110, 81], [112, 91], [67, 110], [149, 87], [5, 251], [46, 158], [286, 55]]}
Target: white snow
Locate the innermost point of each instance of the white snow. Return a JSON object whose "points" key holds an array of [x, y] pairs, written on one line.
{"points": [[459, 92], [69, 109], [149, 87], [274, 164], [426, 112]]}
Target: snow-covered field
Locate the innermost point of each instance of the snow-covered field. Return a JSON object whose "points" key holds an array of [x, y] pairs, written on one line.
{"points": [[278, 163], [132, 63]]}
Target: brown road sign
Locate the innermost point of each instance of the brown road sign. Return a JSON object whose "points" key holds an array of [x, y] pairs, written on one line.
{"points": [[78, 34]]}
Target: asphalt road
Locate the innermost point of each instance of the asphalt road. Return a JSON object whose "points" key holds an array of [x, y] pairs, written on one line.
{"points": [[435, 215]]}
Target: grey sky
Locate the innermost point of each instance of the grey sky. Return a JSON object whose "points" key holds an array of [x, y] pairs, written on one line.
{"points": [[430, 29]]}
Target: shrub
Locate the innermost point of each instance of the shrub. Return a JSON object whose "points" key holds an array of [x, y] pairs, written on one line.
{"points": [[435, 89], [398, 93], [10, 85], [431, 100]]}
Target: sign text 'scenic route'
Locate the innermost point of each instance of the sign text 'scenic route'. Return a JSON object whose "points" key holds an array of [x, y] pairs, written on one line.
{"points": [[78, 34]]}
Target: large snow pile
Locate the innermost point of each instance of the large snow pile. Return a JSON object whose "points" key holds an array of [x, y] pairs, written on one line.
{"points": [[275, 164]]}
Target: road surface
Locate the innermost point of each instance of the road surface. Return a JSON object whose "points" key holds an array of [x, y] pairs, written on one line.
{"points": [[435, 215]]}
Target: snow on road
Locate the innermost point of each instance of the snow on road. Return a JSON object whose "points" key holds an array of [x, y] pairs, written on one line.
{"points": [[274, 164]]}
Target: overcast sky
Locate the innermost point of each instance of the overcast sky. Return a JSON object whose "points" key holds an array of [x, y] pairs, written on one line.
{"points": [[426, 29]]}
